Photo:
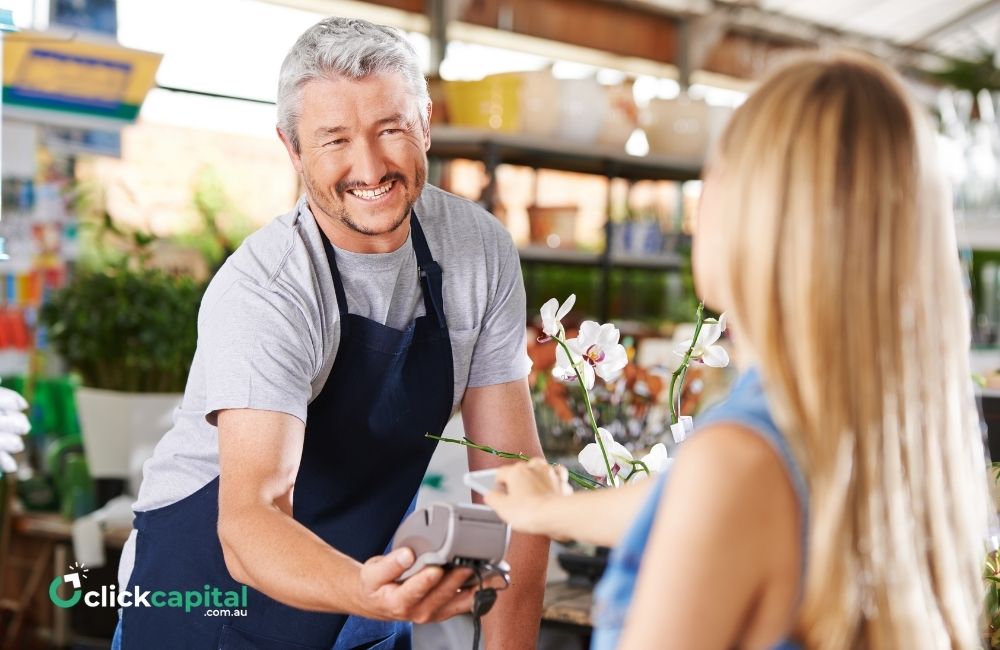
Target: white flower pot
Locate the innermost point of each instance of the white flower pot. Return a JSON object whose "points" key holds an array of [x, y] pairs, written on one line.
{"points": [[678, 127], [539, 103], [582, 106], [120, 430]]}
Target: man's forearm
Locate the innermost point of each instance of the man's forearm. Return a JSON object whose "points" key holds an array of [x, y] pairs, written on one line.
{"points": [[276, 555], [513, 623]]}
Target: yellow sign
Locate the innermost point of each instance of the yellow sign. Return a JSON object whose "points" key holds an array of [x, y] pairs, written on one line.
{"points": [[41, 71]]}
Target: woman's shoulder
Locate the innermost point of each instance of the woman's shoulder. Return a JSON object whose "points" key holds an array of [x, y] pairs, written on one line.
{"points": [[730, 487], [737, 461], [725, 543]]}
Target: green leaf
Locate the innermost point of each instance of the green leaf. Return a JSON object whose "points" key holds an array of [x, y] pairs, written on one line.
{"points": [[124, 329]]}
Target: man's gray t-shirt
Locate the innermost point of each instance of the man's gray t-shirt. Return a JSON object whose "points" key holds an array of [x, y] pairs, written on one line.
{"points": [[269, 327]]}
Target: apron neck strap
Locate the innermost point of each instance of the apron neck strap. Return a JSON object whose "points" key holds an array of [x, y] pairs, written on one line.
{"points": [[338, 284], [430, 274]]}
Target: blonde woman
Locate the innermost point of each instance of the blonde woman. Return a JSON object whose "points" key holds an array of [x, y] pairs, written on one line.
{"points": [[837, 498]]}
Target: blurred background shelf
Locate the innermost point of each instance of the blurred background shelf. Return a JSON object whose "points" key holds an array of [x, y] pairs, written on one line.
{"points": [[658, 261], [544, 255], [496, 148], [616, 266]]}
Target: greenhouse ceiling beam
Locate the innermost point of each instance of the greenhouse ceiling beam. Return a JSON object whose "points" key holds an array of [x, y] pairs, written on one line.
{"points": [[713, 41], [723, 36], [728, 38]]}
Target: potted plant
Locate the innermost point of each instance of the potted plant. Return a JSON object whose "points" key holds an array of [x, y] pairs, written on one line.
{"points": [[126, 322], [128, 329], [126, 325]]}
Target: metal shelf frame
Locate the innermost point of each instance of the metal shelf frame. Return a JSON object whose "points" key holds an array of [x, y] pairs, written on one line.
{"points": [[496, 148]]}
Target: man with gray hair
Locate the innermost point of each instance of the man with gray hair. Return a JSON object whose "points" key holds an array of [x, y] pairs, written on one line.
{"points": [[329, 344]]}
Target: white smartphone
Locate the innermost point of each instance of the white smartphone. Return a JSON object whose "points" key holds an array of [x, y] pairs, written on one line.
{"points": [[482, 481]]}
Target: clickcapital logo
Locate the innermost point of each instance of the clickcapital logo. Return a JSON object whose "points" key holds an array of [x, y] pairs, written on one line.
{"points": [[73, 577], [213, 600]]}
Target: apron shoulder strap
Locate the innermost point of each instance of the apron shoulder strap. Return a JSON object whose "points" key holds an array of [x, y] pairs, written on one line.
{"points": [[338, 284], [430, 273]]}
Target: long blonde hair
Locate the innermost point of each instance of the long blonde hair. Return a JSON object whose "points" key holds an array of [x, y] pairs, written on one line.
{"points": [[845, 283]]}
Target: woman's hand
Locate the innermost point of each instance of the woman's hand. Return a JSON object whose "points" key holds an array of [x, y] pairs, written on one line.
{"points": [[524, 492]]}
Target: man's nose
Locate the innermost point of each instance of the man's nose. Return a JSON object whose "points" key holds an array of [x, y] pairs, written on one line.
{"points": [[368, 164]]}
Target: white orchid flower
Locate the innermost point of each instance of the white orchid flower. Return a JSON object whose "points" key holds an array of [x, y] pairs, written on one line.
{"points": [[619, 458], [656, 461], [598, 346], [552, 314], [595, 351], [563, 370], [706, 349]]}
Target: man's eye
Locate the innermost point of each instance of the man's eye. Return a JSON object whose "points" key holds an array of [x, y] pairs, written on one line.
{"points": [[338, 141], [391, 131]]}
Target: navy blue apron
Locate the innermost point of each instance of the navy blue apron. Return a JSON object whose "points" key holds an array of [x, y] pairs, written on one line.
{"points": [[363, 459]]}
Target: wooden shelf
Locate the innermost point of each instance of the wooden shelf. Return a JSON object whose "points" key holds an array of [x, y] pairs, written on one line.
{"points": [[532, 151]]}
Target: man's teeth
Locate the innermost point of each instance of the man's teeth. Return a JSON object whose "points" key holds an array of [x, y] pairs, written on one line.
{"points": [[372, 194]]}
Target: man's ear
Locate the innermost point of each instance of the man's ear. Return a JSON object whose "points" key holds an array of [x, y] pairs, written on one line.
{"points": [[293, 155], [427, 129]]}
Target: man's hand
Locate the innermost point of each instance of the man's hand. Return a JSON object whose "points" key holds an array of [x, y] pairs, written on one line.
{"points": [[259, 453], [430, 595], [13, 425]]}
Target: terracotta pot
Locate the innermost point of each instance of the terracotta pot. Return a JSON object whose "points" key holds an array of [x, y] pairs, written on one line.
{"points": [[553, 226]]}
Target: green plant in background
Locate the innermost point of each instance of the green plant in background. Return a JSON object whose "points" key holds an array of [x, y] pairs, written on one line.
{"points": [[974, 74], [126, 329], [123, 324], [991, 575], [648, 296], [223, 226], [119, 322]]}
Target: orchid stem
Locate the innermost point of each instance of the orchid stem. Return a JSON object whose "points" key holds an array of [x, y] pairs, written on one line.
{"points": [[637, 466], [576, 477], [590, 408], [677, 379]]}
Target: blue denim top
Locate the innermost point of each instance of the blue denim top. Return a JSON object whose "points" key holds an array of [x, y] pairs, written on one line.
{"points": [[746, 404]]}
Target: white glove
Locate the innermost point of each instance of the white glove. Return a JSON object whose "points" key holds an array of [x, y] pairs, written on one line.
{"points": [[13, 425]]}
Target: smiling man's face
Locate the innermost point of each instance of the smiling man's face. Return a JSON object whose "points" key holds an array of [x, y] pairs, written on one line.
{"points": [[363, 158]]}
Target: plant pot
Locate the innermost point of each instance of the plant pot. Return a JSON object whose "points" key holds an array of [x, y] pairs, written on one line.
{"points": [[539, 103], [553, 226], [678, 127], [120, 430], [491, 103], [582, 107], [620, 117]]}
